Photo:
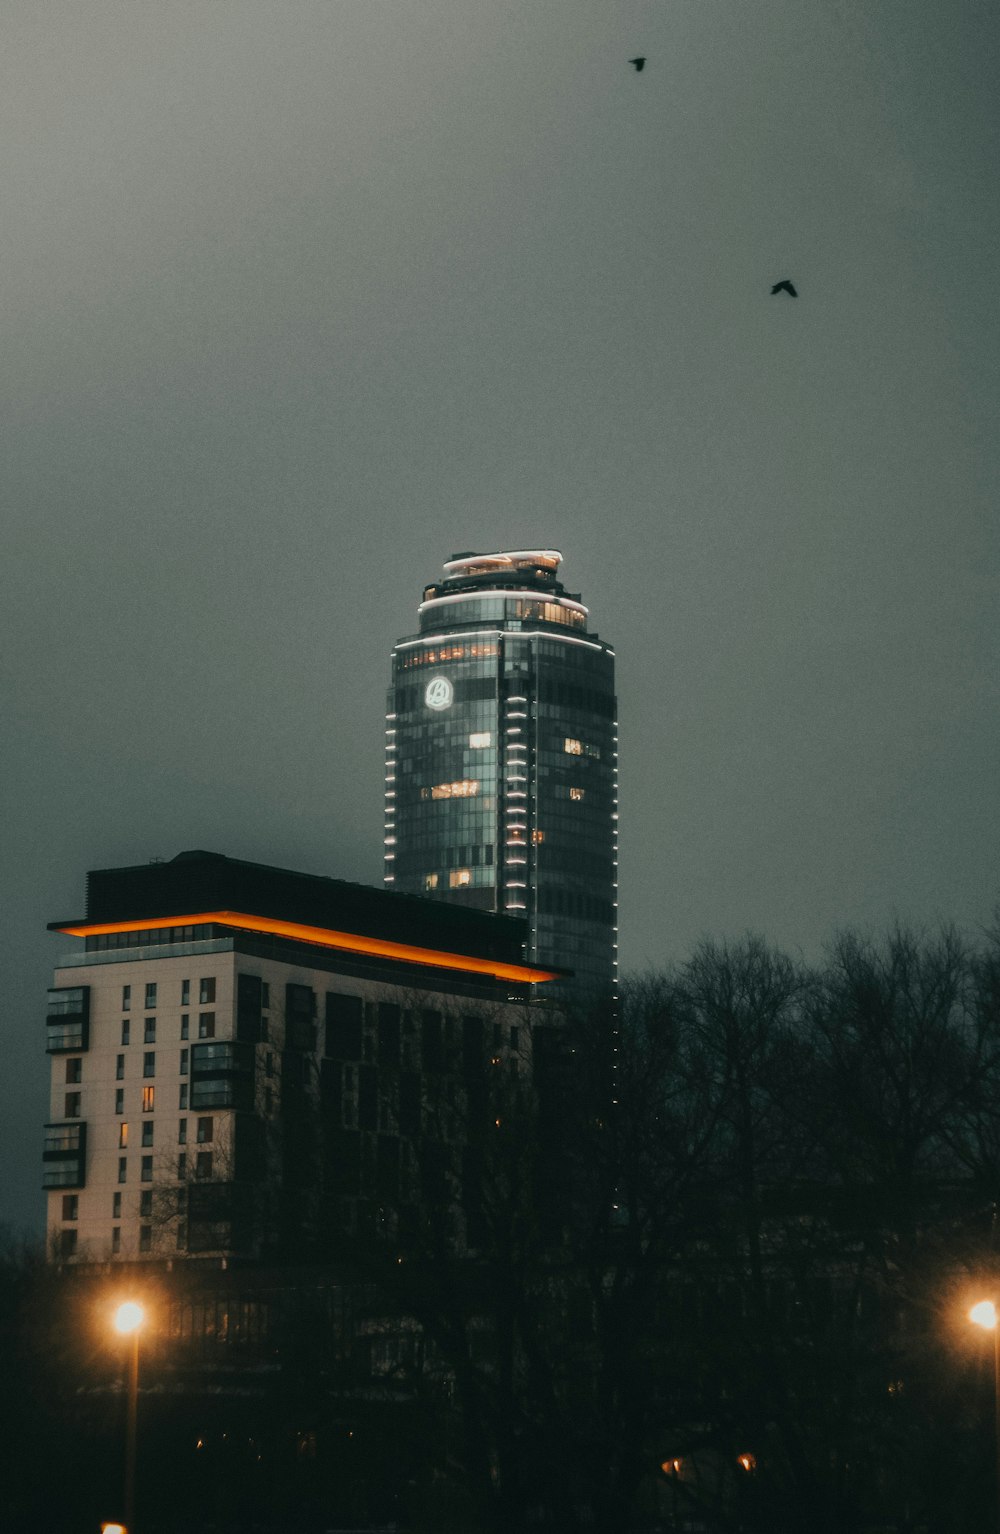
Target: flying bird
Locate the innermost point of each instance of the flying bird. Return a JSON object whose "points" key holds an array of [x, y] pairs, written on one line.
{"points": [[639, 63], [784, 287]]}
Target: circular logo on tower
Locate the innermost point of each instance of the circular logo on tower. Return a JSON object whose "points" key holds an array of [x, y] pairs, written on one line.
{"points": [[439, 693]]}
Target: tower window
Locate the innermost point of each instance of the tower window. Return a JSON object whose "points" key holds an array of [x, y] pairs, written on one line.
{"points": [[148, 1099], [479, 740], [576, 793], [459, 877], [151, 995], [430, 881], [573, 747]]}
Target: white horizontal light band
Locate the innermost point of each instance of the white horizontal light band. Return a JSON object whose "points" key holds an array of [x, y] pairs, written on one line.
{"points": [[504, 594]]}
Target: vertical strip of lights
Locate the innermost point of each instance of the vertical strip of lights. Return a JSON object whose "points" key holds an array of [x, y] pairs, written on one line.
{"points": [[515, 803], [389, 835]]}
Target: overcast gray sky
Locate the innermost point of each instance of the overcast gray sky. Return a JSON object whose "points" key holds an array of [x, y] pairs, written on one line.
{"points": [[299, 298]]}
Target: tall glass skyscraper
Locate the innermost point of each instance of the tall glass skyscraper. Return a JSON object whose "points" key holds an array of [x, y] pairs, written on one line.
{"points": [[502, 760]]}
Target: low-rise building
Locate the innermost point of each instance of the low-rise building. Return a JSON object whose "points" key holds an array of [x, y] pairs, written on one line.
{"points": [[250, 1062]]}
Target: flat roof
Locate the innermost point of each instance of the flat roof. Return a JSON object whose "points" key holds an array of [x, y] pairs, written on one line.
{"points": [[201, 887]]}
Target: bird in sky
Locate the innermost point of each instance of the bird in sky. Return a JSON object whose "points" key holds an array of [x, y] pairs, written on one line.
{"points": [[639, 64], [784, 287]]}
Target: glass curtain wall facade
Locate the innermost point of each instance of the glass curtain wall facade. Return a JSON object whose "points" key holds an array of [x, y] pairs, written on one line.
{"points": [[501, 761]]}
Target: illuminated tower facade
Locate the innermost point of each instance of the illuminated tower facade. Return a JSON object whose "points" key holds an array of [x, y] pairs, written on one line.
{"points": [[502, 757]]}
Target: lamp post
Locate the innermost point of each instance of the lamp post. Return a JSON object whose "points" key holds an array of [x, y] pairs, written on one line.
{"points": [[984, 1314], [128, 1320]]}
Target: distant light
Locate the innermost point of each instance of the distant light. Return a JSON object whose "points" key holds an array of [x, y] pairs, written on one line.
{"points": [[129, 1317], [113, 1528], [985, 1315]]}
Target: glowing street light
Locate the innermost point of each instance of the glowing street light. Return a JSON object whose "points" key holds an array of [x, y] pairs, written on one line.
{"points": [[128, 1319], [984, 1314]]}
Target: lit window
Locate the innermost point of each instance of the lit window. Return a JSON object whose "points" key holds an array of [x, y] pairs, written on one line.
{"points": [[459, 877], [430, 881], [480, 739], [122, 1135], [573, 747], [466, 788], [576, 793], [537, 836], [148, 1095]]}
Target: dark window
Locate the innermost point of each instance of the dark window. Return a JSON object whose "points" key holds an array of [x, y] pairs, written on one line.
{"points": [[367, 1097], [126, 997], [183, 1100], [116, 1206], [147, 1133], [149, 1031], [265, 995], [182, 1131], [344, 1026], [409, 1104], [116, 1238], [149, 1063], [150, 996], [119, 1067], [513, 1037], [67, 1243], [204, 1130], [388, 1033], [182, 1165], [72, 1105], [206, 1025], [126, 1030], [203, 1164], [122, 1168], [119, 1099], [430, 1039], [185, 993], [145, 1238], [146, 1169], [248, 1007], [206, 990], [74, 1070], [184, 1062], [185, 1025], [146, 1204], [70, 1206]]}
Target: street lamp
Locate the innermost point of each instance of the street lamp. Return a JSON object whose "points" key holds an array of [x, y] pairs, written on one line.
{"points": [[984, 1314], [128, 1319]]}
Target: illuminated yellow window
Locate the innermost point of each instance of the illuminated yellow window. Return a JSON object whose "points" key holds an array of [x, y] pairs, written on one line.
{"points": [[123, 1135], [459, 877], [573, 747], [430, 881], [148, 1097], [480, 739], [576, 793], [537, 836], [466, 788]]}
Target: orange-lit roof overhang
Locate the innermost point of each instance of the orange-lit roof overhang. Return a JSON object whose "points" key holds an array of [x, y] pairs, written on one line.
{"points": [[323, 937]]}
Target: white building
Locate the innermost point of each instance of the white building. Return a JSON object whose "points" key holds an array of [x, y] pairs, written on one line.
{"points": [[248, 1061]]}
